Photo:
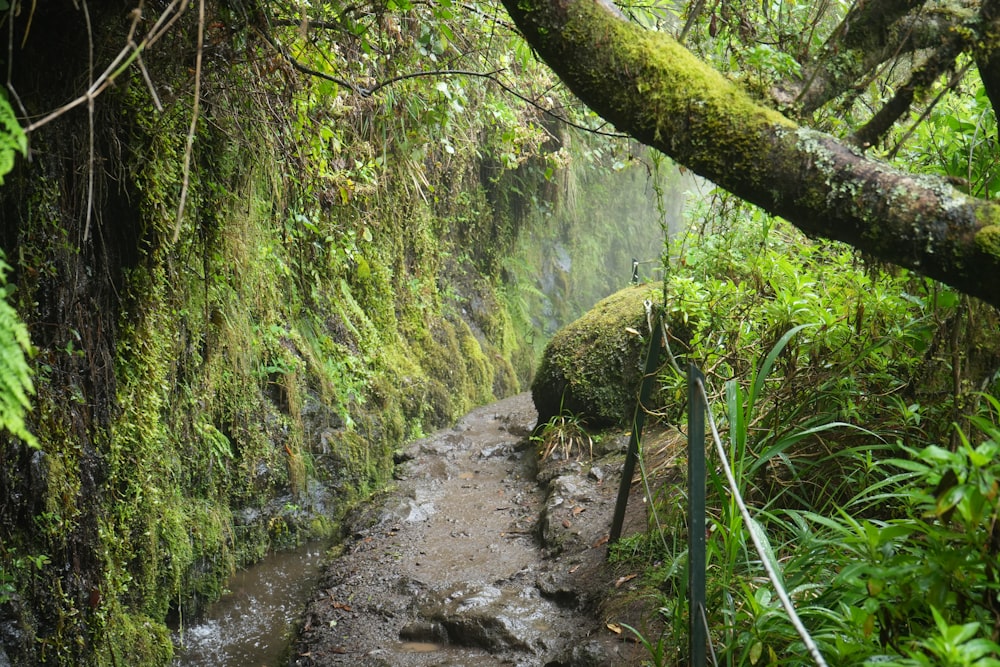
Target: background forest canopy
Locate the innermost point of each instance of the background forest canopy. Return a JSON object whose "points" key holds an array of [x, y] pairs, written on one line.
{"points": [[249, 241]]}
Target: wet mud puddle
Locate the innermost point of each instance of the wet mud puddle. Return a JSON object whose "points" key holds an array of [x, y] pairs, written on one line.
{"points": [[454, 566]]}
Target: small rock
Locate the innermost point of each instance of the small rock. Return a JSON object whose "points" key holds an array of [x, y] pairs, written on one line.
{"points": [[590, 654], [424, 631]]}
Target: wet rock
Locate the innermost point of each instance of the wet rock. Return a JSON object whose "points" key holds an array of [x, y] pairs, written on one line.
{"points": [[494, 619], [572, 488], [407, 510], [409, 587], [553, 469], [422, 631], [318, 416], [557, 587], [569, 495], [592, 366], [590, 654], [498, 450], [14, 638], [612, 445]]}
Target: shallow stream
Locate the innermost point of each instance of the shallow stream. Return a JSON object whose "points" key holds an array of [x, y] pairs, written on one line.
{"points": [[252, 625]]}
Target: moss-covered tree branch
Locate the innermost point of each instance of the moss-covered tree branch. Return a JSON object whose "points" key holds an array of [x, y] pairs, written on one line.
{"points": [[650, 86]]}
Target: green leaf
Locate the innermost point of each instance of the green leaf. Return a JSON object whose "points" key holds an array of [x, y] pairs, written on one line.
{"points": [[767, 551], [16, 385], [12, 138], [765, 369]]}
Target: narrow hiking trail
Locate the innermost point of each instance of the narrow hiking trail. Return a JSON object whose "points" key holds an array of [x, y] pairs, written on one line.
{"points": [[473, 558]]}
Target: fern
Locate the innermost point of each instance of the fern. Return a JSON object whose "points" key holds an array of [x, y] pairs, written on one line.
{"points": [[12, 138], [15, 374]]}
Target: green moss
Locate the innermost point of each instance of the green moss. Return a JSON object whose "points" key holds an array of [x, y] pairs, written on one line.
{"points": [[277, 342], [672, 99], [134, 639], [592, 366], [988, 240]]}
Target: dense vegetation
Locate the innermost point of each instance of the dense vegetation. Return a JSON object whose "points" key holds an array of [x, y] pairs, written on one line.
{"points": [[759, 107], [240, 277], [857, 401], [857, 409], [253, 247]]}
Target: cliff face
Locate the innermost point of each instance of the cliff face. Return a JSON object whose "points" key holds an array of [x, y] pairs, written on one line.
{"points": [[219, 381]]}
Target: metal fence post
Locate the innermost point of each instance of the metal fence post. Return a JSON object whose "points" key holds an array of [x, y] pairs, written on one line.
{"points": [[638, 421], [696, 518]]}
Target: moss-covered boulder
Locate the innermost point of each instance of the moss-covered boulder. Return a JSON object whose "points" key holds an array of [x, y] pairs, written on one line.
{"points": [[593, 366]]}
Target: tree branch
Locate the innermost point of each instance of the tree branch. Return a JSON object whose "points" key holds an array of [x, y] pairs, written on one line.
{"points": [[868, 37], [988, 54], [941, 62], [648, 85]]}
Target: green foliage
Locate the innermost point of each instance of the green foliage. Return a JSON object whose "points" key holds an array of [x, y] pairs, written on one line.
{"points": [[883, 537], [958, 139], [12, 138], [15, 374], [335, 288], [561, 436]]}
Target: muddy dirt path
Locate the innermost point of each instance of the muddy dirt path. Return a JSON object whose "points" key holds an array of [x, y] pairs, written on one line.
{"points": [[474, 558]]}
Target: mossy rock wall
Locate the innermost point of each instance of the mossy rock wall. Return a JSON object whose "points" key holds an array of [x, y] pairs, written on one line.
{"points": [[216, 385], [593, 366]]}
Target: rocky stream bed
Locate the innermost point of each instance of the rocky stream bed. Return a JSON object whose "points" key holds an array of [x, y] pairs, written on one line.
{"points": [[478, 556]]}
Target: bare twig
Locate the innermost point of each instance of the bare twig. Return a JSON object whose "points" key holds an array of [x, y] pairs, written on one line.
{"points": [[90, 122], [149, 84], [369, 91], [922, 78], [10, 61], [121, 62], [360, 90], [194, 120], [31, 16], [693, 13], [492, 76], [954, 81]]}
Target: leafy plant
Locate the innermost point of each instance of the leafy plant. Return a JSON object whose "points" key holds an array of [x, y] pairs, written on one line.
{"points": [[12, 138], [15, 374], [564, 433], [953, 646], [879, 520]]}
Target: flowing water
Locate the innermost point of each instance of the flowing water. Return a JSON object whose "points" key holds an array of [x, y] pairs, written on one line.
{"points": [[252, 625]]}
